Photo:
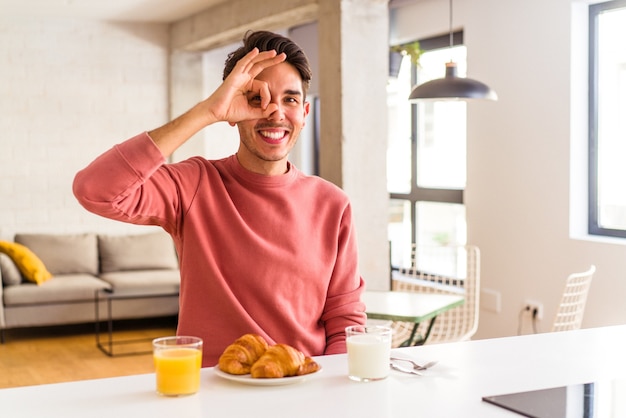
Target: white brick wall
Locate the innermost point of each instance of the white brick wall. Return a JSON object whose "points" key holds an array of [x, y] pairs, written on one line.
{"points": [[68, 91]]}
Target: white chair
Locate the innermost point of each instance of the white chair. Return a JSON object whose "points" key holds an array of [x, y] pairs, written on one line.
{"points": [[444, 269], [570, 313]]}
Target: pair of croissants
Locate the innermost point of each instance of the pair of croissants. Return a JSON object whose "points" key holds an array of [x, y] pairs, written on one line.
{"points": [[251, 354]]}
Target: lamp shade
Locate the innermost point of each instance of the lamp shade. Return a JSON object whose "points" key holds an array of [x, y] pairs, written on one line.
{"points": [[452, 87]]}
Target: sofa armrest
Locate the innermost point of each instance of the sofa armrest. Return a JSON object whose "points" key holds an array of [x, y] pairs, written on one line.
{"points": [[9, 276], [9, 272]]}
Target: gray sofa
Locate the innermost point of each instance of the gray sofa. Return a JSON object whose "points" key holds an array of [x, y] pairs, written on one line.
{"points": [[80, 265]]}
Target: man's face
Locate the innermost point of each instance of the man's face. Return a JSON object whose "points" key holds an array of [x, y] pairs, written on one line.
{"points": [[266, 143]]}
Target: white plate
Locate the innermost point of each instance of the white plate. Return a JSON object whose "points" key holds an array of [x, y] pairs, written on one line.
{"points": [[278, 381]]}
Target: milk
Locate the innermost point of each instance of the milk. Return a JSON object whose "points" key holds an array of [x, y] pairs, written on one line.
{"points": [[368, 355]]}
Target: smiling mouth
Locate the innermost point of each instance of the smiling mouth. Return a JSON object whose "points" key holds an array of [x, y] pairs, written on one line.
{"points": [[273, 136]]}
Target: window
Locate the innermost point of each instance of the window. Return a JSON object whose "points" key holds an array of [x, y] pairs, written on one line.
{"points": [[607, 124], [426, 155]]}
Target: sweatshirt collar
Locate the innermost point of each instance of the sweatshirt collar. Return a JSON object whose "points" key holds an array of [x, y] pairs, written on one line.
{"points": [[262, 180]]}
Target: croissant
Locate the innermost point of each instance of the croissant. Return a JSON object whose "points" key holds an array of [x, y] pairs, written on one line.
{"points": [[309, 366], [239, 357], [282, 360]]}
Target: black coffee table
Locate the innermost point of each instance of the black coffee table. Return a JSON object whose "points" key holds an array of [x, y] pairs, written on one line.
{"points": [[111, 295]]}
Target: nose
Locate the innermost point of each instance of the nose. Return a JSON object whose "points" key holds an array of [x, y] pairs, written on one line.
{"points": [[278, 114]]}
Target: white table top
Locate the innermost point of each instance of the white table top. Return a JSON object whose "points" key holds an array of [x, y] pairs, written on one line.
{"points": [[407, 306], [465, 373]]}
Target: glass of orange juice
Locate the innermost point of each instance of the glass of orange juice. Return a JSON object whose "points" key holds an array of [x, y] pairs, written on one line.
{"points": [[177, 361]]}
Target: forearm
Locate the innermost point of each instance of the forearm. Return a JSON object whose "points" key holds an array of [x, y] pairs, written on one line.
{"points": [[345, 310], [112, 179], [343, 306]]}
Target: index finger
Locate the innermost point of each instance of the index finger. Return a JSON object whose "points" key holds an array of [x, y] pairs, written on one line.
{"points": [[255, 62]]}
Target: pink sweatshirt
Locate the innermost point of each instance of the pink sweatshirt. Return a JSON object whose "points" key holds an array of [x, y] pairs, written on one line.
{"points": [[272, 255]]}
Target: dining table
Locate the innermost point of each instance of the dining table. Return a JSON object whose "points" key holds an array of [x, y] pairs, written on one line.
{"points": [[415, 307], [466, 373]]}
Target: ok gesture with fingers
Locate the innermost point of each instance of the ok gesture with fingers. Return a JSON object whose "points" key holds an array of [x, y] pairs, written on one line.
{"points": [[229, 103]]}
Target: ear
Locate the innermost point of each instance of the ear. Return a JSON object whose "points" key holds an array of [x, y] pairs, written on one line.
{"points": [[307, 109]]}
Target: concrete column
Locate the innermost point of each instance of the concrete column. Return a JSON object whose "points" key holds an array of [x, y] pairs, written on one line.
{"points": [[353, 129]]}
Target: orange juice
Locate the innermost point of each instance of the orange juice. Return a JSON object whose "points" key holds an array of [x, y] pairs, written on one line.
{"points": [[178, 370]]}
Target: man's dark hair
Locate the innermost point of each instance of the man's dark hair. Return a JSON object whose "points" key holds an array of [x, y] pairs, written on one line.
{"points": [[267, 41]]}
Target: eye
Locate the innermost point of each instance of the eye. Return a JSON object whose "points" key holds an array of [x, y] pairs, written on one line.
{"points": [[254, 100]]}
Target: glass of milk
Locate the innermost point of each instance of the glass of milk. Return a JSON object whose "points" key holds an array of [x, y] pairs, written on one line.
{"points": [[369, 349]]}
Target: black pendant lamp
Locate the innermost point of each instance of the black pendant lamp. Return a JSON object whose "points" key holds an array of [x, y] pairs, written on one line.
{"points": [[452, 87]]}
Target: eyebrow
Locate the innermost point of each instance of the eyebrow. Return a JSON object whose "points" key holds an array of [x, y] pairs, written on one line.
{"points": [[293, 92], [287, 93]]}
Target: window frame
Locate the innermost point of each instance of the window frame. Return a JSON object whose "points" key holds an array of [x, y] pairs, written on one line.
{"points": [[594, 227], [423, 194]]}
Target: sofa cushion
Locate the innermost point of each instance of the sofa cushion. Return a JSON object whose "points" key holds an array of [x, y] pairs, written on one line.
{"points": [[64, 254], [66, 288], [148, 279], [29, 264], [10, 273], [149, 251]]}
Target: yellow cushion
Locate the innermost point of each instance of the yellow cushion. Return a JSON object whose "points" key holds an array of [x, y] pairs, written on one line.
{"points": [[26, 261]]}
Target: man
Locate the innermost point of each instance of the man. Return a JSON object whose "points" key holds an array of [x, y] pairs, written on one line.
{"points": [[263, 248]]}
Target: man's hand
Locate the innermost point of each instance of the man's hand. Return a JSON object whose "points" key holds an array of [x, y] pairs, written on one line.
{"points": [[230, 102]]}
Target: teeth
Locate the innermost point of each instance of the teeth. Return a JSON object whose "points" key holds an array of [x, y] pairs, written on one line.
{"points": [[272, 135]]}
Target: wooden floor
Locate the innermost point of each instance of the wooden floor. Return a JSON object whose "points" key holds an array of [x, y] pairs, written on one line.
{"points": [[59, 354]]}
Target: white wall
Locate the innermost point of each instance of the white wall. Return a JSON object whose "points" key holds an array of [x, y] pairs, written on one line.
{"points": [[68, 91], [520, 179]]}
